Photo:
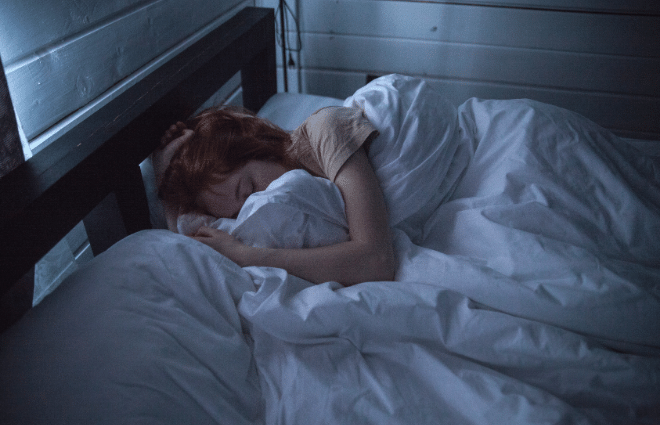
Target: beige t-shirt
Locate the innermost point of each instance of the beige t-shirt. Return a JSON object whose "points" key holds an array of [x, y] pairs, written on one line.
{"points": [[325, 141]]}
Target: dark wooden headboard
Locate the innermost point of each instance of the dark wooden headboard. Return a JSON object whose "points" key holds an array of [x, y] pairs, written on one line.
{"points": [[45, 197]]}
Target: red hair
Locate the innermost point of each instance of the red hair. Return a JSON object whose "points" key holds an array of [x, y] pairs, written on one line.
{"points": [[225, 139]]}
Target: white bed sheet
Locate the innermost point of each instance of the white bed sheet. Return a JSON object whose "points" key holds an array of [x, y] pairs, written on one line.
{"points": [[530, 296]]}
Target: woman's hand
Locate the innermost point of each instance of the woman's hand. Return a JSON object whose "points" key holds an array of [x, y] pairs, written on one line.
{"points": [[174, 137], [224, 243]]}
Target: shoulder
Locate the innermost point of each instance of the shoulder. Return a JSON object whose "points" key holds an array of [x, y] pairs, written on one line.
{"points": [[336, 122], [330, 136], [334, 116]]}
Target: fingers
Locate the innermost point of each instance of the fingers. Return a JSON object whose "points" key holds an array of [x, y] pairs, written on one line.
{"points": [[181, 139], [203, 232], [174, 137], [224, 243], [169, 146], [173, 132], [216, 239], [207, 232]]}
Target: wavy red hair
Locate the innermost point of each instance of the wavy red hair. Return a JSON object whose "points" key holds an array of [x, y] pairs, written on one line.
{"points": [[225, 139]]}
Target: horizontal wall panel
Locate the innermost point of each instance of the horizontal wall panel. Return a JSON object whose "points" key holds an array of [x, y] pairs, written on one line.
{"points": [[27, 26], [337, 84], [539, 68], [627, 116], [535, 29], [605, 6], [48, 87]]}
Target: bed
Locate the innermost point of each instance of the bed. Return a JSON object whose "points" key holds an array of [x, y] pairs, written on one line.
{"points": [[527, 288]]}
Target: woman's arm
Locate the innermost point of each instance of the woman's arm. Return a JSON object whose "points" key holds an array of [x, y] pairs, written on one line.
{"points": [[367, 256]]}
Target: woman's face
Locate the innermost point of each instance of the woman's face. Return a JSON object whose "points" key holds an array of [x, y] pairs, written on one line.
{"points": [[225, 199]]}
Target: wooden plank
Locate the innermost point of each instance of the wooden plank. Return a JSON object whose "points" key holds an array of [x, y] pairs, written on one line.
{"points": [[601, 6], [48, 195], [528, 28], [53, 83], [337, 84], [634, 117], [77, 239], [16, 301], [31, 25], [536, 68], [259, 78]]}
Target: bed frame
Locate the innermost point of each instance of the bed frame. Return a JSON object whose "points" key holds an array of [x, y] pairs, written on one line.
{"points": [[92, 172]]}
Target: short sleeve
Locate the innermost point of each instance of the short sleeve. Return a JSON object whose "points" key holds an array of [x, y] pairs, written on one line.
{"points": [[325, 141]]}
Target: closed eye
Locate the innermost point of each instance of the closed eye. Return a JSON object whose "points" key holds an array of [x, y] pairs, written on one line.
{"points": [[237, 193], [242, 195]]}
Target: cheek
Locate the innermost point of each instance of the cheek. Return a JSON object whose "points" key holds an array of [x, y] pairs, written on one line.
{"points": [[267, 175], [260, 184]]}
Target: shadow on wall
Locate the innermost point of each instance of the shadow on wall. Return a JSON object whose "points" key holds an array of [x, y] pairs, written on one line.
{"points": [[11, 151]]}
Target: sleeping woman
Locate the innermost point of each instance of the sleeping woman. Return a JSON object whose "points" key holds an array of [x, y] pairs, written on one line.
{"points": [[212, 163]]}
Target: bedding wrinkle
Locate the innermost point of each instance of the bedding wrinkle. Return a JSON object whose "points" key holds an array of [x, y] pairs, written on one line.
{"points": [[418, 137], [375, 349], [507, 400], [157, 337], [452, 343], [623, 178]]}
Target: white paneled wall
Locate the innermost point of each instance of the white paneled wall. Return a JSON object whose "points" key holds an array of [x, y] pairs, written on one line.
{"points": [[599, 58]]}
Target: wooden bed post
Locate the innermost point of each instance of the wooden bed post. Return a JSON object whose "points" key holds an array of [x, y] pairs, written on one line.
{"points": [[259, 75], [19, 297]]}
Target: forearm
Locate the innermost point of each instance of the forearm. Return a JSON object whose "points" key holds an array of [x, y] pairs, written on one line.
{"points": [[347, 263], [368, 256]]}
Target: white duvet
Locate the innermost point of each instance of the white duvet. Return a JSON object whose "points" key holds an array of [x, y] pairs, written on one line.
{"points": [[528, 292]]}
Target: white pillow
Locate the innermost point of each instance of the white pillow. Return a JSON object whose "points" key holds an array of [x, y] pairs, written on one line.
{"points": [[297, 210], [289, 110]]}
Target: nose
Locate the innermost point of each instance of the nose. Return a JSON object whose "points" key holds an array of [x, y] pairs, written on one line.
{"points": [[244, 192], [239, 205]]}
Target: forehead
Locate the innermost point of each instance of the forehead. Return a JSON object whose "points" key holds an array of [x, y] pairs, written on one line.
{"points": [[222, 184]]}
